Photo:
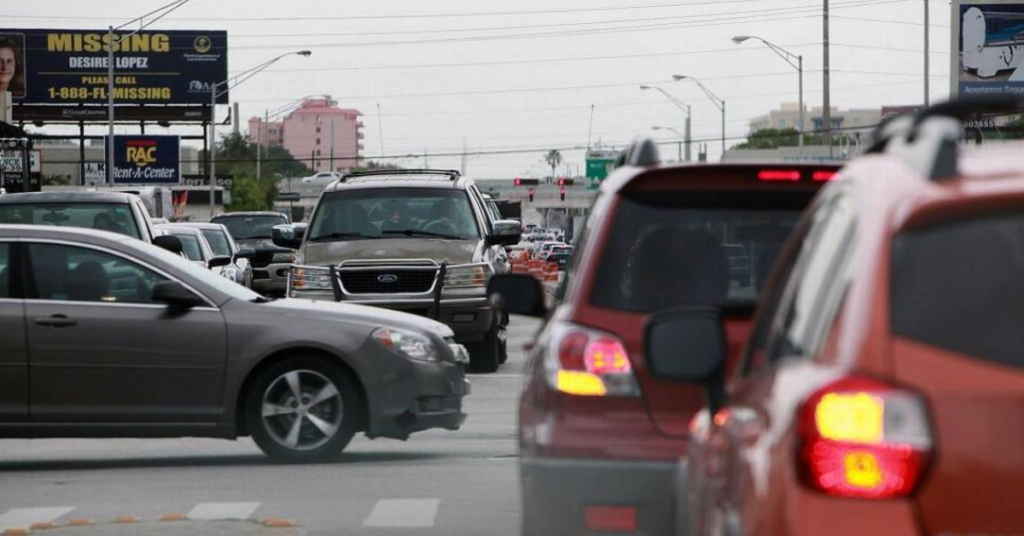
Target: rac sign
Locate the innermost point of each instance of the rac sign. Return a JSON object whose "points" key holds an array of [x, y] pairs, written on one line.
{"points": [[147, 160], [141, 152]]}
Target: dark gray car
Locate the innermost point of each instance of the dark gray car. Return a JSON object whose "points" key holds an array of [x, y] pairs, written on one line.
{"points": [[271, 263], [128, 340]]}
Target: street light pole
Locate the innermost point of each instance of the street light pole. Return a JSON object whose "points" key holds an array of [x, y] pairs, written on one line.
{"points": [[718, 102], [682, 106], [215, 92], [789, 58]]}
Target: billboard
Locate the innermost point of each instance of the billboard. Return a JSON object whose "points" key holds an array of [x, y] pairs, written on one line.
{"points": [[988, 47], [150, 67], [147, 160]]}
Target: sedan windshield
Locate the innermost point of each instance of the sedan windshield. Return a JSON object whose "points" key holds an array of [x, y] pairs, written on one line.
{"points": [[112, 217], [218, 242], [394, 212], [190, 246], [250, 227]]}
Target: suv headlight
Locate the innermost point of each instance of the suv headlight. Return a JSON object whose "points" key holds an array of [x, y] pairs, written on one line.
{"points": [[309, 278], [466, 278], [230, 273], [412, 345]]}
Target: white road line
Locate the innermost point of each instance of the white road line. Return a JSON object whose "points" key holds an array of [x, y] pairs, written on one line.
{"points": [[403, 513], [223, 510], [475, 377], [22, 518]]}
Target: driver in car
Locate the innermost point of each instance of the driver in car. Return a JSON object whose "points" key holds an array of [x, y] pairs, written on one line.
{"points": [[445, 216]]}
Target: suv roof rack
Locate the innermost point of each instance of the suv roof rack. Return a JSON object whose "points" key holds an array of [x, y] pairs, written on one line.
{"points": [[453, 175], [929, 139]]}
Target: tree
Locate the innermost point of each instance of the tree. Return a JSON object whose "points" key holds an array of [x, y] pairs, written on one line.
{"points": [[553, 158], [236, 156]]}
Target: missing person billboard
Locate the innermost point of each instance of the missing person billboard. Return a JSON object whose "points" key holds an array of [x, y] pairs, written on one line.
{"points": [[988, 47], [147, 160], [150, 67]]}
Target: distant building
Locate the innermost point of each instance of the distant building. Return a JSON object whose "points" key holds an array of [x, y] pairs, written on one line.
{"points": [[854, 120], [317, 133]]}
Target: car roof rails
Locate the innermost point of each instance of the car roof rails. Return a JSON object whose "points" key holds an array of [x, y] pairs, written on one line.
{"points": [[929, 140], [643, 152], [453, 175]]}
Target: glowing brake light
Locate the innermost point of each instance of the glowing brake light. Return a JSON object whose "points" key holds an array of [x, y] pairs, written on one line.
{"points": [[824, 175], [778, 175], [585, 362], [860, 437]]}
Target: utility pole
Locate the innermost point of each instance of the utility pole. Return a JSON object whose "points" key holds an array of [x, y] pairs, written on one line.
{"points": [[259, 142], [426, 160], [826, 113], [689, 113], [927, 52], [380, 134], [464, 156], [110, 106], [332, 145], [590, 131]]}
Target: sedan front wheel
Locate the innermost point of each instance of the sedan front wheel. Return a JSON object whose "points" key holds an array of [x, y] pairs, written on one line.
{"points": [[302, 410]]}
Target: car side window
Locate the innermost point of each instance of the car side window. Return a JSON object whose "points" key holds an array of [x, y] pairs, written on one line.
{"points": [[70, 273], [6, 273], [801, 307]]}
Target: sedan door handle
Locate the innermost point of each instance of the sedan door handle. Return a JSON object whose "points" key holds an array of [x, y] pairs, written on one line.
{"points": [[57, 321]]}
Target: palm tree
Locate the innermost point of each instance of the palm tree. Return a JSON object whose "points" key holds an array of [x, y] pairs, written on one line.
{"points": [[553, 158]]}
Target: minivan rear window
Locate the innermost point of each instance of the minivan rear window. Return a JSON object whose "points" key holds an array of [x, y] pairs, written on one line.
{"points": [[681, 249], [960, 286]]}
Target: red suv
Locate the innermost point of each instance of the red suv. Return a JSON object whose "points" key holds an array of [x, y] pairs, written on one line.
{"points": [[882, 391], [599, 435]]}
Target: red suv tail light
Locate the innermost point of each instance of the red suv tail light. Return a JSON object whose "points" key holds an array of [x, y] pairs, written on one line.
{"points": [[861, 437], [586, 362]]}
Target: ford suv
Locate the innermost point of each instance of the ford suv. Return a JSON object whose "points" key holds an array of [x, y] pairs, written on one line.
{"points": [[419, 241]]}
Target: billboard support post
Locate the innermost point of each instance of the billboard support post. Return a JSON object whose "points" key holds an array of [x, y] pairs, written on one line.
{"points": [[927, 52]]}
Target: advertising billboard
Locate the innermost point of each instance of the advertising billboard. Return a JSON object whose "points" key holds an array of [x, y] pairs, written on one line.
{"points": [[988, 47], [150, 67], [147, 160]]}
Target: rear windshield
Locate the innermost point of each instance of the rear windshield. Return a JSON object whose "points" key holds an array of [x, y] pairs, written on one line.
{"points": [[960, 286], [112, 217], [218, 242], [693, 249], [250, 227]]}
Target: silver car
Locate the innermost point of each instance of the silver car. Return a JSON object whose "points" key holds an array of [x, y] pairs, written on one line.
{"points": [[129, 340]]}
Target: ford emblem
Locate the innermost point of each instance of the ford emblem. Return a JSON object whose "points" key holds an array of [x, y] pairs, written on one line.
{"points": [[387, 278]]}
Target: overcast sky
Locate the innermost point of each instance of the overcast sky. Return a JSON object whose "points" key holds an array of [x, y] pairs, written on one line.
{"points": [[442, 72]]}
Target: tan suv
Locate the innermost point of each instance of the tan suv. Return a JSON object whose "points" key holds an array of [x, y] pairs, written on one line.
{"points": [[419, 241]]}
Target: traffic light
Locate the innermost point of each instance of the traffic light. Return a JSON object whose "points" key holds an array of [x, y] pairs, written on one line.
{"points": [[531, 195], [561, 192], [518, 181], [565, 182]]}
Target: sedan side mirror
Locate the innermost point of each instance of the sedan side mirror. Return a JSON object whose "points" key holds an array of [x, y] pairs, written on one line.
{"points": [[518, 294], [287, 236], [169, 242], [220, 260], [245, 253], [175, 295], [506, 233], [689, 345]]}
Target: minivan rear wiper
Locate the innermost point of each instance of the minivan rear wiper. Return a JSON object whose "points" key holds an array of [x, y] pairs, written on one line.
{"points": [[411, 232], [340, 236]]}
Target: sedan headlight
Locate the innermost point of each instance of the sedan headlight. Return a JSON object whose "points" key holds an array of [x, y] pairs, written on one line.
{"points": [[412, 345], [309, 278]]}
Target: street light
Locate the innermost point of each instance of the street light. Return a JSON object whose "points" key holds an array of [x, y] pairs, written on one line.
{"points": [[232, 82], [799, 66], [719, 103], [111, 43], [681, 136], [682, 106]]}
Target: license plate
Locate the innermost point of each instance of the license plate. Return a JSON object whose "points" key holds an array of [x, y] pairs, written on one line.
{"points": [[461, 354]]}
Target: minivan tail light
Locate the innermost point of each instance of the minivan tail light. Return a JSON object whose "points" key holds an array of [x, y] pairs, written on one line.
{"points": [[861, 437], [824, 175], [586, 362], [778, 175]]}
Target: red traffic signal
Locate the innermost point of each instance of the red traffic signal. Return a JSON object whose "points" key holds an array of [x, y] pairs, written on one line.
{"points": [[531, 195], [565, 182], [518, 181], [561, 192]]}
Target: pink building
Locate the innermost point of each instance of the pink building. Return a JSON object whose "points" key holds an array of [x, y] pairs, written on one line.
{"points": [[318, 133]]}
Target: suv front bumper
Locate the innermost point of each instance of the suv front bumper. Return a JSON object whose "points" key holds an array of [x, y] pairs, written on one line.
{"points": [[272, 278]]}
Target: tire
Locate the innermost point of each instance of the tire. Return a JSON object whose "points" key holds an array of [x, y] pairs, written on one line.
{"points": [[324, 428], [485, 356], [503, 340]]}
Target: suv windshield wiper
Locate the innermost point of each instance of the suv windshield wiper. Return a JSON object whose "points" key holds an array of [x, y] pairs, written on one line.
{"points": [[340, 236], [412, 232]]}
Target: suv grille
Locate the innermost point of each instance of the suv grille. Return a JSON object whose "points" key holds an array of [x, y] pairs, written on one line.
{"points": [[378, 282]]}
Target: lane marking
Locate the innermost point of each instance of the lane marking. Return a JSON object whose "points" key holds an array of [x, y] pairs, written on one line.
{"points": [[23, 518], [405, 513], [210, 511], [485, 376]]}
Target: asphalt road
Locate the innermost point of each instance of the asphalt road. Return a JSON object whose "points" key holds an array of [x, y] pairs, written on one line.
{"points": [[437, 483]]}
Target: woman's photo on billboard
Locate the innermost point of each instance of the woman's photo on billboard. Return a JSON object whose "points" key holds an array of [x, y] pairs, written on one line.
{"points": [[12, 65]]}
